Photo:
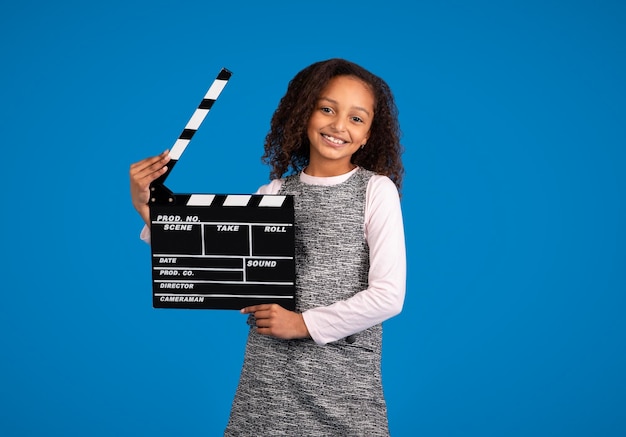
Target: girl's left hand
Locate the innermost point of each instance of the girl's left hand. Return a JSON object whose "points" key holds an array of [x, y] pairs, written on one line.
{"points": [[274, 320]]}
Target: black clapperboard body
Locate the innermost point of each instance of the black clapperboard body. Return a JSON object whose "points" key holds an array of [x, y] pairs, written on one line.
{"points": [[219, 251]]}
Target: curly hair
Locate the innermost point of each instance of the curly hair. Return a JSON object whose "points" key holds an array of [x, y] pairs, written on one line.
{"points": [[287, 144]]}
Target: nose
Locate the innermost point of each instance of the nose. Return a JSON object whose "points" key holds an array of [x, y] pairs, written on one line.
{"points": [[338, 124]]}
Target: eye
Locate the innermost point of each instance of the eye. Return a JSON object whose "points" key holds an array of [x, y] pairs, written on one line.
{"points": [[357, 119], [326, 109]]}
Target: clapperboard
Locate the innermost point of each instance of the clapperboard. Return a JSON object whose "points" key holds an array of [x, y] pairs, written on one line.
{"points": [[219, 251]]}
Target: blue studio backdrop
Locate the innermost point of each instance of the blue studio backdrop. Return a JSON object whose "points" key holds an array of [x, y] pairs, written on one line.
{"points": [[513, 122]]}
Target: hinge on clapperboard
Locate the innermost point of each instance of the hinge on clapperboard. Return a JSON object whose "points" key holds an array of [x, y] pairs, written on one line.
{"points": [[159, 193]]}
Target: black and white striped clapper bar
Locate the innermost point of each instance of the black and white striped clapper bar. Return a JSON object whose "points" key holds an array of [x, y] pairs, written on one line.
{"points": [[219, 251]]}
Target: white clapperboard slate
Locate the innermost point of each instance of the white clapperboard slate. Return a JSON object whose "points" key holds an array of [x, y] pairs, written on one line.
{"points": [[219, 251]]}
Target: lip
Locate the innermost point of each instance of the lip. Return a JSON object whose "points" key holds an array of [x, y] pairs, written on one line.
{"points": [[330, 143]]}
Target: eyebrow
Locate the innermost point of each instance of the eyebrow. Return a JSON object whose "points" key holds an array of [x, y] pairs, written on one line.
{"points": [[358, 108]]}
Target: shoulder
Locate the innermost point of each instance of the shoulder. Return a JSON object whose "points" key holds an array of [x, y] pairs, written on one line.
{"points": [[381, 186], [272, 188], [382, 198]]}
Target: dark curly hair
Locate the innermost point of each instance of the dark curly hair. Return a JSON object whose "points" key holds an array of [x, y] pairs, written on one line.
{"points": [[287, 144]]}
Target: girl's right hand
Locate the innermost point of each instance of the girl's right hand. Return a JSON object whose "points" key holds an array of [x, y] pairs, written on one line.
{"points": [[142, 174]]}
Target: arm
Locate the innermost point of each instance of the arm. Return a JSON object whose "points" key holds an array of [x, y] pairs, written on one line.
{"points": [[382, 299], [384, 296]]}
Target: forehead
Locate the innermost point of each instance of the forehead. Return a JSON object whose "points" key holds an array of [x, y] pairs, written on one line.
{"points": [[349, 91]]}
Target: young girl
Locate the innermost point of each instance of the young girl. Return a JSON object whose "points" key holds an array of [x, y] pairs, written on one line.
{"points": [[317, 370]]}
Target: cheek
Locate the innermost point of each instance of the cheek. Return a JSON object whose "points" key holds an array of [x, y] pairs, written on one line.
{"points": [[315, 121], [311, 126], [365, 134], [310, 132]]}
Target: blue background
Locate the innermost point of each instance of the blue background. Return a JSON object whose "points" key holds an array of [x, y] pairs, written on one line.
{"points": [[514, 127]]}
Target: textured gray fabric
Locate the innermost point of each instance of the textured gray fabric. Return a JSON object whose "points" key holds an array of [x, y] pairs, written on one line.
{"points": [[298, 388]]}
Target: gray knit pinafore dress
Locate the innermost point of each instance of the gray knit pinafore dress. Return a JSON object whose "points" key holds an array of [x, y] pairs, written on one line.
{"points": [[299, 388]]}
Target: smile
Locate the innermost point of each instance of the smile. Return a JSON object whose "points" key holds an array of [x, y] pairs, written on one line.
{"points": [[334, 140]]}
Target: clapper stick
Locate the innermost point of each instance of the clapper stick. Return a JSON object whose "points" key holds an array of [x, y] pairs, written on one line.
{"points": [[160, 194]]}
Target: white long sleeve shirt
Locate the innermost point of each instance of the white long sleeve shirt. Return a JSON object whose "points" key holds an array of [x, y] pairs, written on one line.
{"points": [[384, 232]]}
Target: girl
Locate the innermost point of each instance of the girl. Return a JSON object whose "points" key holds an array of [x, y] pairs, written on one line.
{"points": [[317, 370]]}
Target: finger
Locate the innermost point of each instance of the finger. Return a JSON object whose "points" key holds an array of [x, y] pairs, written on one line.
{"points": [[254, 308], [150, 165], [144, 177], [263, 323], [140, 165], [264, 331], [262, 314]]}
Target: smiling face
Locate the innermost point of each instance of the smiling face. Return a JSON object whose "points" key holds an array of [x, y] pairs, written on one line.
{"points": [[339, 125]]}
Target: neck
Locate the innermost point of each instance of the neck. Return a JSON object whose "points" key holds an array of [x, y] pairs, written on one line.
{"points": [[326, 171]]}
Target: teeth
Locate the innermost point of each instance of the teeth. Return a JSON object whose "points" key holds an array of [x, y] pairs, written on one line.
{"points": [[334, 140]]}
